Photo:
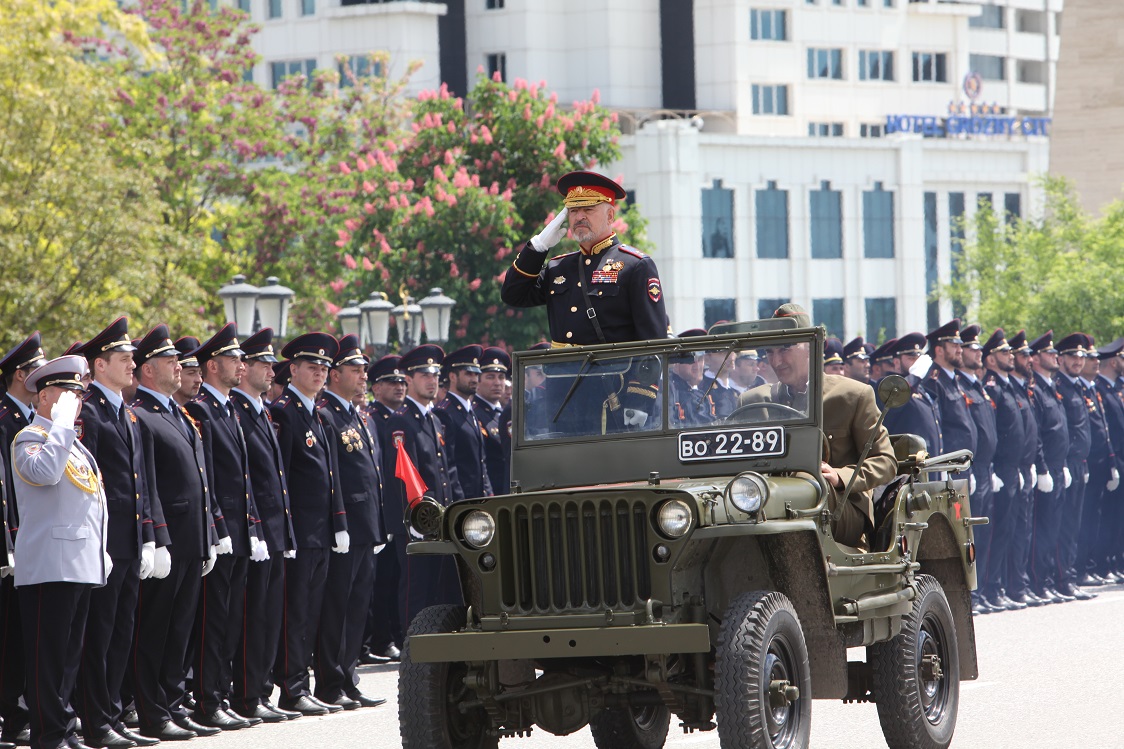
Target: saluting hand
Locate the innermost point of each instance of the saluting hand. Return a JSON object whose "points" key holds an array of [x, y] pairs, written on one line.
{"points": [[552, 234]]}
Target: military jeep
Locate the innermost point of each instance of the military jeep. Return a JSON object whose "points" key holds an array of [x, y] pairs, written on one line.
{"points": [[657, 564]]}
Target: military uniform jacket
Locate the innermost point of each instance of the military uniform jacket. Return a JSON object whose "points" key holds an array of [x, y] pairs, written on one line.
{"points": [[623, 286], [497, 455], [688, 406], [983, 416], [725, 398], [12, 421], [920, 416], [135, 516], [228, 468], [182, 484], [467, 438], [423, 439], [504, 486], [958, 430], [360, 469], [1077, 408], [64, 508], [1113, 410], [308, 457], [1100, 446], [1053, 430], [267, 477], [1031, 453], [1008, 420]]}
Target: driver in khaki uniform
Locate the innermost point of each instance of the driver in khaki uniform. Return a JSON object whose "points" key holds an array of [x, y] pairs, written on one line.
{"points": [[849, 416]]}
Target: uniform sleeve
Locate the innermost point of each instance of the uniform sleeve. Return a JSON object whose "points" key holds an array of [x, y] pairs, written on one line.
{"points": [[155, 509], [41, 462], [649, 313], [525, 282], [339, 512], [205, 427]]}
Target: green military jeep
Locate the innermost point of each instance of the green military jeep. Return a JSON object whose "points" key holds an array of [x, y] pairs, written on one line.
{"points": [[683, 563]]}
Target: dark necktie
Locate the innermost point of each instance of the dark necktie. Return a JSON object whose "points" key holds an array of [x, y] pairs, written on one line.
{"points": [[123, 419], [180, 420]]}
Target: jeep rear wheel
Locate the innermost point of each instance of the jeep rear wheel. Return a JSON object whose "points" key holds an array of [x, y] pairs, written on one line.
{"points": [[428, 693], [917, 674], [641, 727], [763, 684]]}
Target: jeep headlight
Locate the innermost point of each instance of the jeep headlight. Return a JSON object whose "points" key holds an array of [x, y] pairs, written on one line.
{"points": [[478, 528], [748, 492], [673, 518]]}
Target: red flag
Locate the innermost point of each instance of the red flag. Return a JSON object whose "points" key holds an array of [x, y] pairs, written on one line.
{"points": [[404, 469]]}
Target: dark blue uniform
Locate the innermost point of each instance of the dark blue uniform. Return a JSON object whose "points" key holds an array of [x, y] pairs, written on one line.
{"points": [[958, 430], [383, 626], [1102, 459], [983, 417], [1011, 430], [468, 445], [1106, 542], [497, 457], [1022, 528], [920, 416], [1078, 408], [688, 406], [1053, 433]]}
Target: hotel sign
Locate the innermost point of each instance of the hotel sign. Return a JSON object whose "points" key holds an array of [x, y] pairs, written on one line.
{"points": [[968, 120]]}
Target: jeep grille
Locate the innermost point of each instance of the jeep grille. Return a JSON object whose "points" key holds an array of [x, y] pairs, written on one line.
{"points": [[575, 554]]}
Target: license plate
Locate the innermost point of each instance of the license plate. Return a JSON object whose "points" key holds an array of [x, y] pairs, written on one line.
{"points": [[731, 444]]}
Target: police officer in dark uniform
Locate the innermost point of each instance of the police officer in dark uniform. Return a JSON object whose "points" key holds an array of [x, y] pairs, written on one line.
{"points": [[218, 625], [689, 403], [416, 431], [1053, 432], [16, 412], [173, 447], [1104, 477], [1104, 543], [958, 430], [856, 360], [1078, 409], [833, 357], [1019, 585], [308, 457], [264, 601], [494, 363], [108, 428], [351, 571], [882, 361], [465, 435], [191, 376], [920, 416]]}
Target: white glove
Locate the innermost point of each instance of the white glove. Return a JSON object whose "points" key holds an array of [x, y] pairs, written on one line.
{"points": [[634, 417], [11, 568], [1085, 477], [162, 564], [552, 234], [5, 571], [65, 409], [209, 565], [290, 554], [1046, 483], [1033, 474], [1068, 476], [996, 483], [148, 559], [379, 547], [1021, 482], [108, 565], [971, 483], [226, 546], [343, 542], [922, 366], [1114, 481], [259, 551]]}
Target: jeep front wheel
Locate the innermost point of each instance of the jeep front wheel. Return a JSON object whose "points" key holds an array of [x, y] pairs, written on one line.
{"points": [[641, 727], [763, 684], [429, 693], [917, 674]]}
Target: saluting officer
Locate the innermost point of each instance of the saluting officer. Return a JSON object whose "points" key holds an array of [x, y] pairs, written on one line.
{"points": [[61, 547], [1078, 407], [856, 360], [426, 580], [464, 432], [263, 608], [351, 571], [308, 457], [218, 624], [109, 429], [495, 370], [1102, 546], [173, 448], [1103, 474], [920, 416], [1019, 585], [16, 412]]}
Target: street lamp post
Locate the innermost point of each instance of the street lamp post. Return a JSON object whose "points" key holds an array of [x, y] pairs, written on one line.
{"points": [[375, 328], [273, 306], [437, 311], [408, 318], [252, 308], [350, 318], [239, 301]]}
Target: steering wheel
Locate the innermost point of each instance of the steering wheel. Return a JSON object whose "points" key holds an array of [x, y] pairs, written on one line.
{"points": [[784, 410]]}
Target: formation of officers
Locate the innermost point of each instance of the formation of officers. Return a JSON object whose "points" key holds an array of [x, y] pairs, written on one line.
{"points": [[193, 527]]}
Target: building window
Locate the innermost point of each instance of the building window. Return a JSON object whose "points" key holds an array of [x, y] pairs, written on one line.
{"points": [[719, 310], [829, 313], [493, 4], [870, 131], [930, 66], [990, 67], [1012, 205], [990, 18], [766, 307], [308, 7], [244, 6], [887, 3], [248, 74], [768, 24], [360, 67], [878, 222], [881, 318], [933, 306], [718, 221], [956, 241], [836, 2], [825, 129], [827, 222], [876, 65], [274, 9], [772, 222], [497, 63], [825, 63], [862, 3], [279, 71], [770, 99]]}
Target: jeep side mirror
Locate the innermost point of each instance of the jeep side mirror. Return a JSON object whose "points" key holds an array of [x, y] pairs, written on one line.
{"points": [[894, 391]]}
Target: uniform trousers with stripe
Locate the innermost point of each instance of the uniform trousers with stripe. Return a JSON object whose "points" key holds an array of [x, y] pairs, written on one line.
{"points": [[12, 683], [1070, 527], [1047, 517], [218, 626], [383, 625], [107, 648], [343, 617], [305, 578], [262, 611]]}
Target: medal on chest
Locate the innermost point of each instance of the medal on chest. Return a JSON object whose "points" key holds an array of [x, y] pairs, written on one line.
{"points": [[309, 438]]}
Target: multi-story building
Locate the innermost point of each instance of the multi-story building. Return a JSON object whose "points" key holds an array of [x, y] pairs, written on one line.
{"points": [[823, 151]]}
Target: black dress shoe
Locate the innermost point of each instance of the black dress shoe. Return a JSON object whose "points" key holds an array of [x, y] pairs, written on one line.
{"points": [[130, 719], [73, 743], [304, 705], [1090, 579], [123, 730], [392, 653], [365, 701], [190, 725], [342, 701], [370, 659], [7, 745], [997, 604], [106, 739], [219, 719], [21, 737], [289, 714], [1026, 598], [1072, 590], [235, 716], [169, 732], [329, 706], [262, 714], [1057, 593]]}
